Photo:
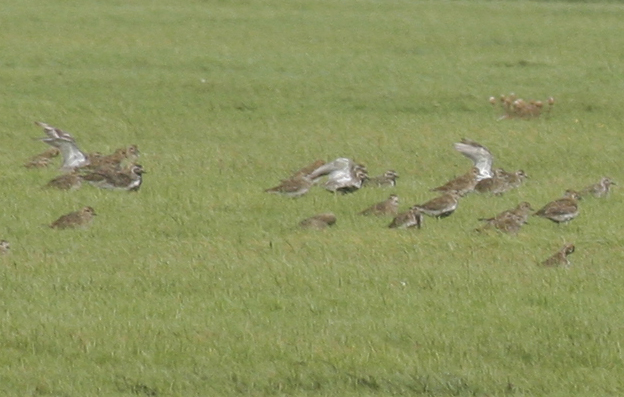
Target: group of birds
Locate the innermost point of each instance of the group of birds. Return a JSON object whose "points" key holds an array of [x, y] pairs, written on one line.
{"points": [[344, 175], [514, 107], [116, 171]]}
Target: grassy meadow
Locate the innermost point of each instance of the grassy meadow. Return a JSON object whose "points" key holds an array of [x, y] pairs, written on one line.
{"points": [[201, 284]]}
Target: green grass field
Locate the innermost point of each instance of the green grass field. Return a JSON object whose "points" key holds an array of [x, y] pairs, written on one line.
{"points": [[201, 284]]}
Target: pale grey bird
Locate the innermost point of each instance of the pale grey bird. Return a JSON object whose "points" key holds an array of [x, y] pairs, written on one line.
{"points": [[479, 154], [73, 157], [343, 175]]}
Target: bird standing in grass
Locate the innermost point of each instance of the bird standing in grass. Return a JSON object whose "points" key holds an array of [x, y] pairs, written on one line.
{"points": [[600, 189], [75, 219], [69, 181], [560, 258], [407, 220], [562, 210], [390, 206], [129, 179], [43, 159], [387, 179], [294, 187], [462, 185], [318, 222], [441, 206]]}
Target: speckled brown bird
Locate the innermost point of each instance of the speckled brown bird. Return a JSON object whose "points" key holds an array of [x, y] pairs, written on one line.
{"points": [[129, 179], [42, 160], [81, 218], [390, 206], [463, 184], [560, 258], [562, 210], [69, 181], [600, 189], [293, 187], [441, 206], [387, 179], [318, 222], [509, 221], [408, 219]]}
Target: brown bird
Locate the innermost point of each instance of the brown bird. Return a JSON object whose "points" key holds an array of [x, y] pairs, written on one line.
{"points": [[69, 181], [43, 159], [600, 189], [515, 179], [408, 219], [562, 210], [509, 221], [495, 185], [296, 186], [442, 206], [74, 219], [462, 185], [560, 258], [129, 179], [4, 247], [387, 179], [318, 222], [386, 207], [307, 170], [114, 161]]}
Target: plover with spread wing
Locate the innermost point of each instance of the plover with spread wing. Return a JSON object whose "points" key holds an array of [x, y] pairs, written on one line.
{"points": [[479, 154], [73, 157], [343, 175]]}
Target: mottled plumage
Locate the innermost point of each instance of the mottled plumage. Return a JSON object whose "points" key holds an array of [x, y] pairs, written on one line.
{"points": [[320, 221], [43, 159], [440, 207], [463, 184], [562, 210], [74, 219], [69, 181], [509, 221], [129, 179], [560, 258], [387, 179], [389, 206], [408, 219], [296, 186], [600, 189]]}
